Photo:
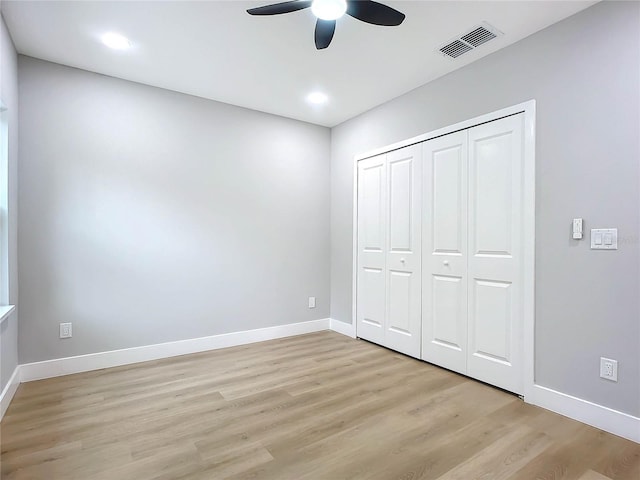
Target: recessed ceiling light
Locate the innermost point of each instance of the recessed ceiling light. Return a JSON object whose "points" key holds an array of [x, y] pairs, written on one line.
{"points": [[116, 41], [317, 98], [329, 9]]}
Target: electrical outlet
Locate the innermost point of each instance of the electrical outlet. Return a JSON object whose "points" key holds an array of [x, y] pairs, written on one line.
{"points": [[65, 330], [609, 369], [312, 302]]}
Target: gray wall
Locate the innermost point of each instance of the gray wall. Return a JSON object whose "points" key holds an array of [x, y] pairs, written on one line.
{"points": [[150, 216], [9, 96], [584, 74]]}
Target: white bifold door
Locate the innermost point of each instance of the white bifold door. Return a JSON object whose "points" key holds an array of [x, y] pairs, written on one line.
{"points": [[388, 310], [472, 247], [444, 212]]}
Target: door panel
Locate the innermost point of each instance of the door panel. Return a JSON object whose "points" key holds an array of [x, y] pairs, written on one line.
{"points": [[495, 263], [372, 228], [448, 318], [371, 291], [403, 328], [492, 199], [400, 205], [491, 329], [400, 302], [372, 288], [447, 184], [444, 251]]}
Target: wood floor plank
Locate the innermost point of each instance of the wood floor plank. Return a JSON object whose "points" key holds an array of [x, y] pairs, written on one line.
{"points": [[320, 406]]}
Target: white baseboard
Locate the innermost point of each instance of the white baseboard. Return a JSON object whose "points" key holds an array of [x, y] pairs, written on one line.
{"points": [[347, 329], [604, 418], [115, 358], [9, 391]]}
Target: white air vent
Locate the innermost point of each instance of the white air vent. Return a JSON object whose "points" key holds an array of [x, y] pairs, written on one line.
{"points": [[475, 37], [478, 36], [455, 49]]}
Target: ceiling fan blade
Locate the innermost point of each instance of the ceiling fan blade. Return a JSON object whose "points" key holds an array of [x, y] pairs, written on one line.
{"points": [[374, 13], [324, 33], [278, 8]]}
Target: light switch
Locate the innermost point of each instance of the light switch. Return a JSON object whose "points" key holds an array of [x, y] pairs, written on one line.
{"points": [[604, 238]]}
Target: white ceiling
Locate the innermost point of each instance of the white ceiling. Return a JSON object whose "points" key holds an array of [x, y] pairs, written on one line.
{"points": [[214, 49]]}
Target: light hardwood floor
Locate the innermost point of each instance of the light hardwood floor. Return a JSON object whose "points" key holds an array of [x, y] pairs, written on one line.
{"points": [[317, 406]]}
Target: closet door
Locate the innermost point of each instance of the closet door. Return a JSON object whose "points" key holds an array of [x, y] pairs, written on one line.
{"points": [[403, 266], [370, 281], [495, 253], [444, 251]]}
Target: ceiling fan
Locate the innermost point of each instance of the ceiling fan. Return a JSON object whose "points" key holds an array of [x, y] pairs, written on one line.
{"points": [[328, 11]]}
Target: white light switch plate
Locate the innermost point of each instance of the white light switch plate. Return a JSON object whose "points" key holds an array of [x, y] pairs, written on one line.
{"points": [[312, 302], [604, 239]]}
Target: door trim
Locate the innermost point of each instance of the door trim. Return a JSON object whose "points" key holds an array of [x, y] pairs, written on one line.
{"points": [[528, 109]]}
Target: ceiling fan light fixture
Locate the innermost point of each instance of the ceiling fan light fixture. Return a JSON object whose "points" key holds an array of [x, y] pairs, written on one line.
{"points": [[329, 9]]}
